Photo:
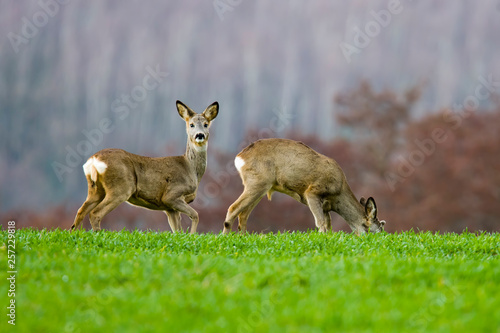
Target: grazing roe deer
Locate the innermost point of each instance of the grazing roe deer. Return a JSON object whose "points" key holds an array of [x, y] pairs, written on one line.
{"points": [[162, 183], [292, 168]]}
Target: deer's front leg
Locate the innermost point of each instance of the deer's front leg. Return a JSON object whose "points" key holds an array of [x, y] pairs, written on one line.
{"points": [[176, 202], [174, 220], [181, 206], [320, 218], [328, 220]]}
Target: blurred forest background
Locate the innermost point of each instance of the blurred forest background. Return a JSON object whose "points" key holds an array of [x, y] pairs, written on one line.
{"points": [[403, 94]]}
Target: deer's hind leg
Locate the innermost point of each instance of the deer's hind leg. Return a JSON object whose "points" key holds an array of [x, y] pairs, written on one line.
{"points": [[94, 197], [113, 197], [117, 185], [109, 203], [244, 205], [243, 216]]}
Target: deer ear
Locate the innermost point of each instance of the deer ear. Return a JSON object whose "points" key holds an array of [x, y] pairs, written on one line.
{"points": [[185, 112], [371, 208], [211, 111], [362, 201]]}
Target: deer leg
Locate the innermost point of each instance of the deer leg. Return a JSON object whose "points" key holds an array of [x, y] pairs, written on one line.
{"points": [[94, 197], [174, 220], [316, 208], [109, 203], [181, 206], [244, 204], [87, 206], [243, 216], [328, 220]]}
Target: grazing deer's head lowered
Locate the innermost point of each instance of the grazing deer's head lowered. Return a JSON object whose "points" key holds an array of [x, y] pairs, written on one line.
{"points": [[372, 224], [291, 167], [162, 183]]}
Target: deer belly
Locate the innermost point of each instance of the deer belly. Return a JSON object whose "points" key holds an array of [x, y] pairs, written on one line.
{"points": [[145, 203], [290, 192]]}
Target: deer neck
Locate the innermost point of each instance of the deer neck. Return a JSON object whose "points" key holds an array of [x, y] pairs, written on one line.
{"points": [[352, 212], [197, 158]]}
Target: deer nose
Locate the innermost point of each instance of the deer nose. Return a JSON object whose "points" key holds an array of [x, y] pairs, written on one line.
{"points": [[199, 137]]}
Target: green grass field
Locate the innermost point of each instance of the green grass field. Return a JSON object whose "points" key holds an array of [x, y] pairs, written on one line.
{"points": [[292, 282]]}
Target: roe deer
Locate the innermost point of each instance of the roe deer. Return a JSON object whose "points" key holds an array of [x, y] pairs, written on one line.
{"points": [[162, 183], [292, 168]]}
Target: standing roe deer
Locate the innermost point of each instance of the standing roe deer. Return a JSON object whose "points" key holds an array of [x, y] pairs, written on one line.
{"points": [[292, 168], [162, 183]]}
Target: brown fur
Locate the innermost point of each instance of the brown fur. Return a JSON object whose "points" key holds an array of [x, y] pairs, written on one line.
{"points": [[161, 183], [311, 178]]}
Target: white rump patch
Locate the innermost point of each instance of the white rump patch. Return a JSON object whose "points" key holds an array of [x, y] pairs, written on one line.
{"points": [[239, 163], [88, 166], [94, 167]]}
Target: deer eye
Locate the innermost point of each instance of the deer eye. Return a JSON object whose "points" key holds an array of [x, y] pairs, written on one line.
{"points": [[206, 125], [192, 125]]}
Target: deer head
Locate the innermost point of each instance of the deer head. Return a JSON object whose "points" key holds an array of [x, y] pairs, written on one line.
{"points": [[197, 125], [372, 223]]}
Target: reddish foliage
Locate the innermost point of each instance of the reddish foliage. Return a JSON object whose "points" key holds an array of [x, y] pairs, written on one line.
{"points": [[457, 185], [375, 121]]}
